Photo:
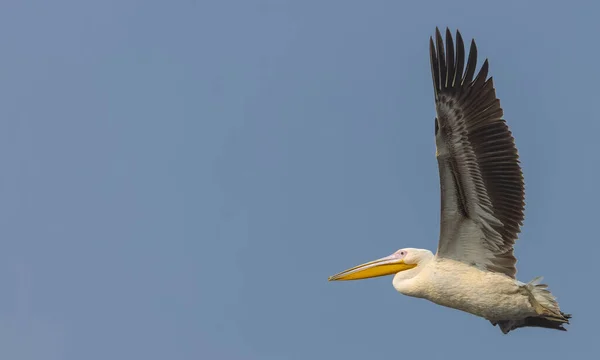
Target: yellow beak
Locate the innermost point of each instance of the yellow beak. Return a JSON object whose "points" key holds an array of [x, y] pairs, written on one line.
{"points": [[385, 266]]}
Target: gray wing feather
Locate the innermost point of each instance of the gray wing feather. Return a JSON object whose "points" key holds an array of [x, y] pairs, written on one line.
{"points": [[482, 188]]}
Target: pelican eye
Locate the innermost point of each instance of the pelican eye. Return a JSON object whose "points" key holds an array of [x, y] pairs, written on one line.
{"points": [[402, 253]]}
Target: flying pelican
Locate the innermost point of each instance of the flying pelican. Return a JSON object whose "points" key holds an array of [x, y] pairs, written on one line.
{"points": [[482, 207]]}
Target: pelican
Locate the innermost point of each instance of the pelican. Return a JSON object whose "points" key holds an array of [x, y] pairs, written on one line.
{"points": [[482, 206]]}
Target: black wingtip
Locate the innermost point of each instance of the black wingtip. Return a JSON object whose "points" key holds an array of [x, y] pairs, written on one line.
{"points": [[441, 59], [471, 64], [460, 58], [482, 75], [450, 67]]}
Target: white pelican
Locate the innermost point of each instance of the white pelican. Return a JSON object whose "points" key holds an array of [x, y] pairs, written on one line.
{"points": [[482, 207]]}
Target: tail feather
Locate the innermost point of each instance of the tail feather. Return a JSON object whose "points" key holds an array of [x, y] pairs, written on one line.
{"points": [[543, 301], [545, 305]]}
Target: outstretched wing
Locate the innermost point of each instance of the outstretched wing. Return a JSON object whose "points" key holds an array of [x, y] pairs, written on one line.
{"points": [[482, 189]]}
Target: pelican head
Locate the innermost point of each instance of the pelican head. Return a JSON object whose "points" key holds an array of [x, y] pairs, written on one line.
{"points": [[398, 263]]}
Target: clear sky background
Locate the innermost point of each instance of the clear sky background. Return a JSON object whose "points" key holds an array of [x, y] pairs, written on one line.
{"points": [[179, 178]]}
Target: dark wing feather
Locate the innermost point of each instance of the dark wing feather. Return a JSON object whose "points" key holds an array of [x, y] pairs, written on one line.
{"points": [[482, 187]]}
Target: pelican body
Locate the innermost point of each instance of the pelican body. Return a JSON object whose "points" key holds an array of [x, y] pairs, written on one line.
{"points": [[482, 207]]}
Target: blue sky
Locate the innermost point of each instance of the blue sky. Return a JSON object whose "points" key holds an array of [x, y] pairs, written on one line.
{"points": [[180, 178]]}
